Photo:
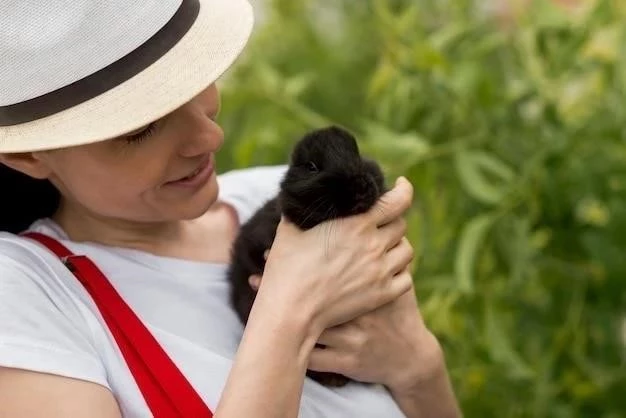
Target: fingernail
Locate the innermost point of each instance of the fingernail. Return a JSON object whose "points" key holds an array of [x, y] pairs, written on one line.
{"points": [[255, 282]]}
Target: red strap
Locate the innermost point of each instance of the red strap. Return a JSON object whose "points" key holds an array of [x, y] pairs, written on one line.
{"points": [[165, 389]]}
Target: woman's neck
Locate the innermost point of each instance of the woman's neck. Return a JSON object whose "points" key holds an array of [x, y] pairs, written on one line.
{"points": [[81, 224], [207, 238]]}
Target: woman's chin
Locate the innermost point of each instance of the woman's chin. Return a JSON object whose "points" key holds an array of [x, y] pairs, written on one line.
{"points": [[190, 205], [201, 202]]}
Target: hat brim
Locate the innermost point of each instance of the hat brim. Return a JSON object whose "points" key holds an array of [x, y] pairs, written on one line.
{"points": [[207, 50]]}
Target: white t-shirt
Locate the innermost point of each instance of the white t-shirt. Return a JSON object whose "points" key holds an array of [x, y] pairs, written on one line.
{"points": [[49, 323]]}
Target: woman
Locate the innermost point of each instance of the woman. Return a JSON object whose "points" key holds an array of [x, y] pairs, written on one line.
{"points": [[109, 131]]}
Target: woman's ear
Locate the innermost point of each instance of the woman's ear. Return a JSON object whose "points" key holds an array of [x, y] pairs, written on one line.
{"points": [[27, 163]]}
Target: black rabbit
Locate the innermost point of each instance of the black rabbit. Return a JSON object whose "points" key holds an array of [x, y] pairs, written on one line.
{"points": [[327, 178]]}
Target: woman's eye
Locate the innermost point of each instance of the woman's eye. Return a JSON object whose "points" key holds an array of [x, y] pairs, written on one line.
{"points": [[140, 136], [312, 167]]}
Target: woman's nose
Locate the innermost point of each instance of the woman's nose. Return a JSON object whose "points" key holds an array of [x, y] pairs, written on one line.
{"points": [[202, 135]]}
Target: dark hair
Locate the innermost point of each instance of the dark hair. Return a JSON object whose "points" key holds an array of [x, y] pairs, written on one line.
{"points": [[24, 200]]}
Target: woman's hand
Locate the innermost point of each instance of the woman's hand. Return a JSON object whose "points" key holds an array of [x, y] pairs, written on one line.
{"points": [[389, 345], [392, 346], [341, 268]]}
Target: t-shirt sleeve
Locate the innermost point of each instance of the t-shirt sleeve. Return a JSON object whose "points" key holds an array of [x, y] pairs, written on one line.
{"points": [[248, 189], [41, 326]]}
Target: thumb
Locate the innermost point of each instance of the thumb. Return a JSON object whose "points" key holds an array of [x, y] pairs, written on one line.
{"points": [[393, 203]]}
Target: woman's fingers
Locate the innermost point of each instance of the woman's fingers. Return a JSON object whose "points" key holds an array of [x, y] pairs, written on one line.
{"points": [[344, 335], [399, 257], [255, 281], [397, 286], [393, 233], [329, 360], [341, 265], [393, 203]]}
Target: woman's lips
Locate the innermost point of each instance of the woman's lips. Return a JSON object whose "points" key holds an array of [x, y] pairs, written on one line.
{"points": [[200, 176]]}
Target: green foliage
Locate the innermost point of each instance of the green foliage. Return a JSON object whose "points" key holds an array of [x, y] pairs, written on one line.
{"points": [[513, 134]]}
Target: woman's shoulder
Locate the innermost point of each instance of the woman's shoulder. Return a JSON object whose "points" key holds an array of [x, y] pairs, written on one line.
{"points": [[20, 267], [18, 250], [43, 326], [30, 271], [20, 253], [249, 188]]}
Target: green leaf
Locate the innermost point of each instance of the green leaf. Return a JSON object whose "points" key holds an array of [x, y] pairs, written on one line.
{"points": [[427, 58], [401, 149], [296, 85], [406, 21], [546, 13], [381, 79], [605, 44], [268, 78], [533, 64], [493, 165], [475, 168], [580, 97], [470, 243], [448, 34], [499, 343]]}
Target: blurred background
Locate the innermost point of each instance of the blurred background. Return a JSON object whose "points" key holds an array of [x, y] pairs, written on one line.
{"points": [[509, 118]]}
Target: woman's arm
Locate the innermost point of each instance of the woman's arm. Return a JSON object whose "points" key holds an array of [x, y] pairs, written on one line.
{"points": [[430, 394], [431, 398], [266, 379], [392, 345], [268, 373], [26, 394]]}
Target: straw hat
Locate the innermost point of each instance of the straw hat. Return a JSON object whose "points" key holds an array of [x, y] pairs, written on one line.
{"points": [[74, 72]]}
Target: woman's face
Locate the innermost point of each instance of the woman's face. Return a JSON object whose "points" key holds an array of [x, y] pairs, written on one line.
{"points": [[163, 172]]}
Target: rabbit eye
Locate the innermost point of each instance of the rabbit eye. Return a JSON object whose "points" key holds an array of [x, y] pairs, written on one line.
{"points": [[312, 167]]}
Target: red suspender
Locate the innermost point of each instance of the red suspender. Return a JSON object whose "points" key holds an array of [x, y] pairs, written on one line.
{"points": [[166, 391]]}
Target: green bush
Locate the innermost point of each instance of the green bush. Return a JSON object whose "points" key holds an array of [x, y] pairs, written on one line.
{"points": [[513, 133]]}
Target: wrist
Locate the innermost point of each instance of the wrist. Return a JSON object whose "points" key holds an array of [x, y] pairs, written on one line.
{"points": [[286, 316], [427, 391], [428, 366], [434, 398], [271, 361]]}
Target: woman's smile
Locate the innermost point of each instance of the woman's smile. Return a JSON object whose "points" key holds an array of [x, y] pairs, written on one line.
{"points": [[199, 177]]}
